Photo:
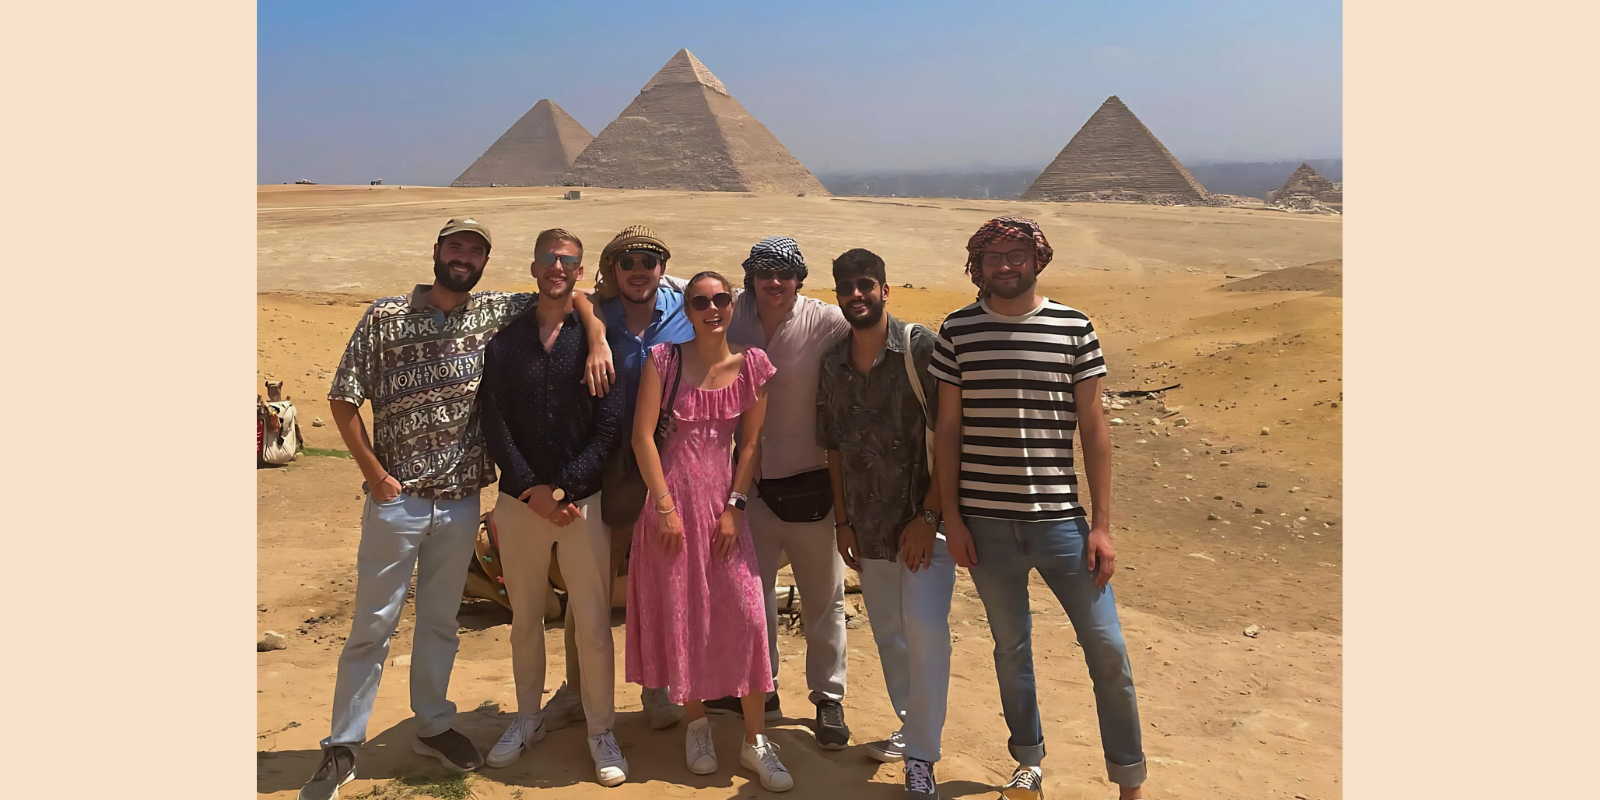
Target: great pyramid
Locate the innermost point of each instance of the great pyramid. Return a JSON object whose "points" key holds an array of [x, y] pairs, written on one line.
{"points": [[684, 131], [1306, 180], [533, 152], [1115, 153]]}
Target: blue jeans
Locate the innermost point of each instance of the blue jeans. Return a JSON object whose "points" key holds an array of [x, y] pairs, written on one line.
{"points": [[1007, 552], [436, 538]]}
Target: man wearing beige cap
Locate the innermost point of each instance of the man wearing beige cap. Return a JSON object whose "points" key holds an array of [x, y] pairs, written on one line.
{"points": [[418, 358]]}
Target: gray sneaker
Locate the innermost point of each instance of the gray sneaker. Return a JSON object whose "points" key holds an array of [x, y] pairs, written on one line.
{"points": [[338, 768], [564, 708], [659, 708], [920, 784]]}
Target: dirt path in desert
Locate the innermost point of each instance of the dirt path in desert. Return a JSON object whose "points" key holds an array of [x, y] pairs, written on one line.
{"points": [[1218, 527]]}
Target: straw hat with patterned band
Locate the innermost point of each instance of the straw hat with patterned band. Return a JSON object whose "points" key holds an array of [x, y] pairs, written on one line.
{"points": [[632, 239]]}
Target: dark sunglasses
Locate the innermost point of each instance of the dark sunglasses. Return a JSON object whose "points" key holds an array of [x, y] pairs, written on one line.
{"points": [[550, 260], [864, 285], [780, 274], [701, 302], [628, 262], [1015, 258]]}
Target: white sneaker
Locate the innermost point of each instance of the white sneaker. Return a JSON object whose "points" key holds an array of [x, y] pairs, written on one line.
{"points": [[888, 750], [660, 708], [563, 708], [698, 751], [610, 768], [763, 758], [524, 733]]}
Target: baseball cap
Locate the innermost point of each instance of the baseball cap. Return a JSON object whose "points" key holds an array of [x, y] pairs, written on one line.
{"points": [[460, 224]]}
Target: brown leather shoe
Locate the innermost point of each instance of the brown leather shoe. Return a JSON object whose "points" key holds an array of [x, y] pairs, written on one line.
{"points": [[455, 751]]}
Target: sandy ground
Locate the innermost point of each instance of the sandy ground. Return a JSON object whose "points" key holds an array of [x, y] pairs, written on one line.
{"points": [[1175, 298]]}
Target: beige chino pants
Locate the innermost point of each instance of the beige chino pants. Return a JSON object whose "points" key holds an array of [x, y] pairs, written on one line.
{"points": [[585, 558], [819, 575]]}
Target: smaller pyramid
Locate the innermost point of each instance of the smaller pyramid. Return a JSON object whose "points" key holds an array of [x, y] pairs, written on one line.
{"points": [[533, 152], [684, 131], [1115, 154], [1307, 181]]}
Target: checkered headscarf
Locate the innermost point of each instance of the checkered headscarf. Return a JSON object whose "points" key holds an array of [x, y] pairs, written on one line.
{"points": [[774, 252], [998, 229]]}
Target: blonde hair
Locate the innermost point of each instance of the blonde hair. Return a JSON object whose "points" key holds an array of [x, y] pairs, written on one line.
{"points": [[552, 235]]}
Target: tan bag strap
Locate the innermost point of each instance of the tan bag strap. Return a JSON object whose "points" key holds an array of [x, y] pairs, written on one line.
{"points": [[916, 386]]}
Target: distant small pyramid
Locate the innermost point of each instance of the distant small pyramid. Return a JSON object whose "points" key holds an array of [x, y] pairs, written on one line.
{"points": [[684, 131], [1306, 180], [533, 152], [1115, 152]]}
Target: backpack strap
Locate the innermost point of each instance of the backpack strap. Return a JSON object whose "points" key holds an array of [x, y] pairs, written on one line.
{"points": [[922, 398]]}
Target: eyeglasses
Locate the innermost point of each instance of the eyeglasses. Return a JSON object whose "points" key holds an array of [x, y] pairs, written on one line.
{"points": [[628, 262], [550, 260], [1015, 258], [780, 274], [863, 285], [701, 302]]}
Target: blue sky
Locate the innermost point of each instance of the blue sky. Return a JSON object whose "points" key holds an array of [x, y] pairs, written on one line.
{"points": [[413, 92]]}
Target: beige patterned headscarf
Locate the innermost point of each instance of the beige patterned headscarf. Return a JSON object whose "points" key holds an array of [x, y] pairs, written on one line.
{"points": [[633, 237]]}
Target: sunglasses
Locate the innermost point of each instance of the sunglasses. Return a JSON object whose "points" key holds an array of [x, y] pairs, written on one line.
{"points": [[701, 302], [1015, 258], [628, 262], [550, 260], [863, 285], [780, 274]]}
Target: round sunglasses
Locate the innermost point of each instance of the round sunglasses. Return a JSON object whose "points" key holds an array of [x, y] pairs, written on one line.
{"points": [[701, 302], [628, 262]]}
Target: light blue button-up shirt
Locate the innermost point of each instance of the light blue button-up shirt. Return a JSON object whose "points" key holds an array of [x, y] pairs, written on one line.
{"points": [[670, 325]]}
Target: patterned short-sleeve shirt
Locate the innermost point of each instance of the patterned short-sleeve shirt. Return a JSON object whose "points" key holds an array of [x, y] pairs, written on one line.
{"points": [[877, 425], [420, 367]]}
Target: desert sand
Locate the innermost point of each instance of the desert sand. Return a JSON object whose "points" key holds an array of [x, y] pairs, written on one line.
{"points": [[1230, 522]]}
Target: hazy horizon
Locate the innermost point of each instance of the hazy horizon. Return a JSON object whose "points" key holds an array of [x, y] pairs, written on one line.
{"points": [[413, 94]]}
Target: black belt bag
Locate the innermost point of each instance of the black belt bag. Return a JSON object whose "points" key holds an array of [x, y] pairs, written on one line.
{"points": [[806, 497]]}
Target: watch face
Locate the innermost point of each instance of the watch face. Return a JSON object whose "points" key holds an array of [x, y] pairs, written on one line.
{"points": [[558, 493]]}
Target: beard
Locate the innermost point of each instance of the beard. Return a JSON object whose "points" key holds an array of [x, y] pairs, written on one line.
{"points": [[648, 291], [441, 273], [870, 318], [1025, 282]]}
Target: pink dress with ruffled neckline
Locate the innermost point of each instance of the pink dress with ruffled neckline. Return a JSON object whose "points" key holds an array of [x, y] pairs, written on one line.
{"points": [[696, 622]]}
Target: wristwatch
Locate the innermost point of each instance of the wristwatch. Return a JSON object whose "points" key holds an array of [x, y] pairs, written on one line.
{"points": [[737, 500], [557, 494], [931, 517]]}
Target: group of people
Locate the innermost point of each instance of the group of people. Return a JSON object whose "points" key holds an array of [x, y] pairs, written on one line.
{"points": [[701, 431]]}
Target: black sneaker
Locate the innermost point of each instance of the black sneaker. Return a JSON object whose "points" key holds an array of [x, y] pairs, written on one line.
{"points": [[1025, 785], [338, 768], [455, 751], [920, 783], [731, 705], [832, 733]]}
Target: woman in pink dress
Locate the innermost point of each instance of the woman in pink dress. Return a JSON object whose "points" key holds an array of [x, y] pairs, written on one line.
{"points": [[696, 620]]}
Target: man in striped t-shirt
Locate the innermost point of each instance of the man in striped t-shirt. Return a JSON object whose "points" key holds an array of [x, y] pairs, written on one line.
{"points": [[1014, 368]]}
